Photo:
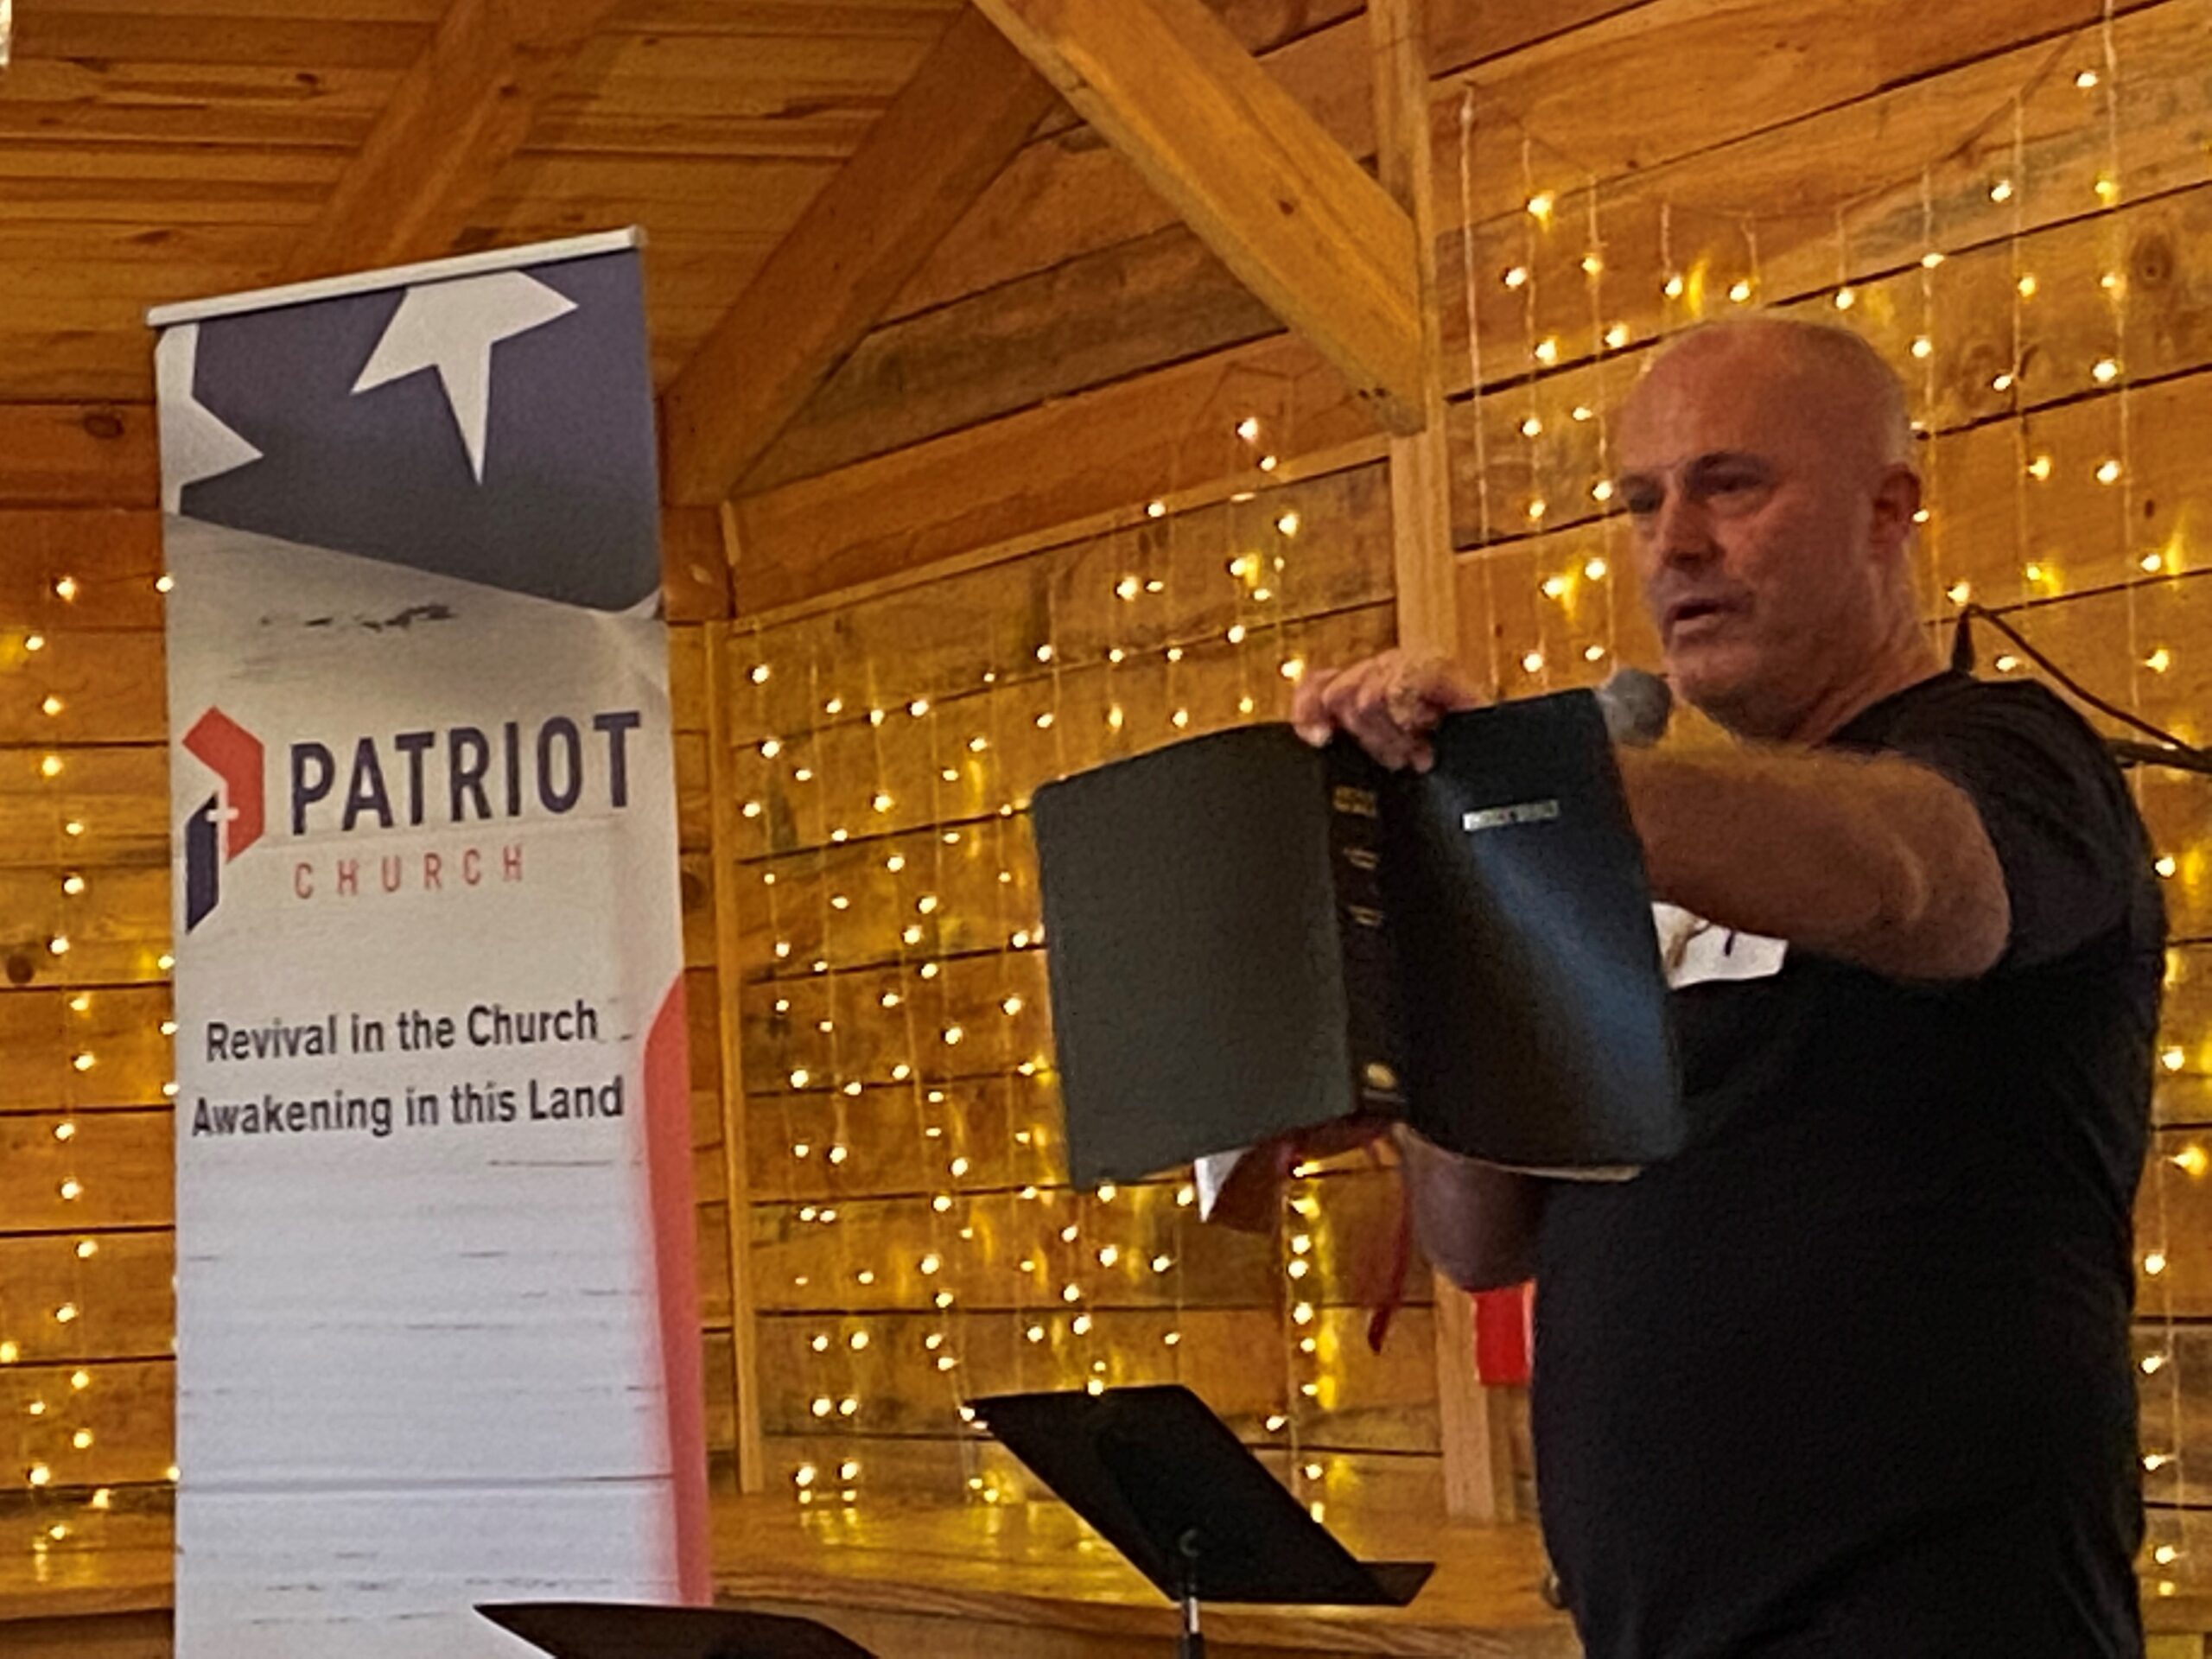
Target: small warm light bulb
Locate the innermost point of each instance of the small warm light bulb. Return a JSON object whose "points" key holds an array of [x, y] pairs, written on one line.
{"points": [[59, 946], [73, 828], [2154, 1263], [2166, 865], [39, 1474], [2027, 287], [1538, 508], [1531, 428], [2106, 371], [2002, 381], [51, 767], [65, 590], [1602, 490], [2001, 191], [2085, 80], [1517, 277], [2034, 573], [2108, 473], [51, 706], [1958, 592], [1740, 290], [64, 1130], [2159, 660], [34, 642], [1554, 586], [1155, 509], [2191, 1161], [761, 674], [71, 1190], [1595, 569], [88, 1248], [1533, 663], [1541, 205], [2154, 562], [1547, 351], [2153, 1363], [1923, 346], [66, 1314], [1617, 336], [1674, 287], [1846, 298], [2107, 190], [1593, 653], [1247, 428], [2039, 468], [1293, 668]]}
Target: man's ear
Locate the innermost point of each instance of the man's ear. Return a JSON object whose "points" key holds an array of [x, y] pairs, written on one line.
{"points": [[1896, 503]]}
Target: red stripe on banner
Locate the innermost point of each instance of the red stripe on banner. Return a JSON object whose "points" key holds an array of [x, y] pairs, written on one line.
{"points": [[668, 1171], [1501, 1336]]}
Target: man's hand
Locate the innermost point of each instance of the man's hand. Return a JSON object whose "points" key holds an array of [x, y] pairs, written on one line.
{"points": [[1390, 703]]}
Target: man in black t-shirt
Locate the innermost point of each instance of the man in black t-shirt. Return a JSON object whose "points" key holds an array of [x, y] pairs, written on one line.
{"points": [[1851, 1376]]}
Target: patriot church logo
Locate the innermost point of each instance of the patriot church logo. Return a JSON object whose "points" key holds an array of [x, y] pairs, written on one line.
{"points": [[234, 815]]}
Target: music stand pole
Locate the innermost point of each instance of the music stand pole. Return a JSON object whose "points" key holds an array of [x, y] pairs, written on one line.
{"points": [[1192, 1644]]}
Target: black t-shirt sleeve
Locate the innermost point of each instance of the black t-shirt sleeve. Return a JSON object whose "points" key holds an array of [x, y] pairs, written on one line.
{"points": [[2054, 804]]}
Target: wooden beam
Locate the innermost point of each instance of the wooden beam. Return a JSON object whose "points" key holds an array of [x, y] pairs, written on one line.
{"points": [[1420, 461], [1271, 192], [737, 1180], [1478, 1462], [462, 110], [939, 145]]}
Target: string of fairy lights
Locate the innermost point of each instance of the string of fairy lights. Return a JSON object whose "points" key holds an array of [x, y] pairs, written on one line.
{"points": [[60, 1396], [1200, 625]]}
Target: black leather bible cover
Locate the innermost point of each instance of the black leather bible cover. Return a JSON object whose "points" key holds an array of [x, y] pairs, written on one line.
{"points": [[1249, 937]]}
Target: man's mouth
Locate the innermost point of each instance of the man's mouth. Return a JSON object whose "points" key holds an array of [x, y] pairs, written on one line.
{"points": [[1696, 615]]}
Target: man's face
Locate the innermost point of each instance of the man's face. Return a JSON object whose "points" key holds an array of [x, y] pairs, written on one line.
{"points": [[1752, 495]]}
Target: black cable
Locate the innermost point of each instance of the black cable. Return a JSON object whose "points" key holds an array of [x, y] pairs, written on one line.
{"points": [[2171, 751]]}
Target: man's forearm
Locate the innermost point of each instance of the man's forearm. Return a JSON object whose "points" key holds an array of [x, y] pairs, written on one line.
{"points": [[1875, 861], [1477, 1224]]}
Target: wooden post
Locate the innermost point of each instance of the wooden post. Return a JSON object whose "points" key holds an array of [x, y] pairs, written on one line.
{"points": [[1478, 1460], [737, 1182]]}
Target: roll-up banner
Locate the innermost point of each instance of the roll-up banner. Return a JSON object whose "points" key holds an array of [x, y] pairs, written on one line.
{"points": [[438, 1333]]}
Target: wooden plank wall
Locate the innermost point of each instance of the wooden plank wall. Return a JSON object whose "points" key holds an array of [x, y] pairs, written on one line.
{"points": [[87, 1253], [2012, 199]]}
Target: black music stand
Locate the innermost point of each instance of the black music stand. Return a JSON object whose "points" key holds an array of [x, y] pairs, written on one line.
{"points": [[612, 1630], [1167, 1483]]}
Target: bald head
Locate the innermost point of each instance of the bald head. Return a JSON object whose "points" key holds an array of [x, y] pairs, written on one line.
{"points": [[1830, 374], [1767, 466]]}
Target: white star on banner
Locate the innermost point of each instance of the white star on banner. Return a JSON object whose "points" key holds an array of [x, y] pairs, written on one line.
{"points": [[194, 443], [452, 327]]}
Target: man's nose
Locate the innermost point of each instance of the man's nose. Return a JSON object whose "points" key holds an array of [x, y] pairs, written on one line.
{"points": [[1682, 533]]}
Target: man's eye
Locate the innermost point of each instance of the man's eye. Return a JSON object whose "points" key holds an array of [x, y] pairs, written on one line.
{"points": [[1642, 503]]}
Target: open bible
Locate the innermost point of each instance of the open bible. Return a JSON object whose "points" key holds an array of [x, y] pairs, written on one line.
{"points": [[1251, 937]]}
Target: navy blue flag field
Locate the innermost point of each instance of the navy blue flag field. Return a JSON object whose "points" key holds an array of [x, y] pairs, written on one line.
{"points": [[497, 428]]}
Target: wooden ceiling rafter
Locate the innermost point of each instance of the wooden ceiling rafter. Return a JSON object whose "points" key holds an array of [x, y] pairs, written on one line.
{"points": [[1271, 192], [462, 110], [940, 143]]}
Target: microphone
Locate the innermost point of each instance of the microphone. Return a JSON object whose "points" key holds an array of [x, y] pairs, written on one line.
{"points": [[1636, 706]]}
